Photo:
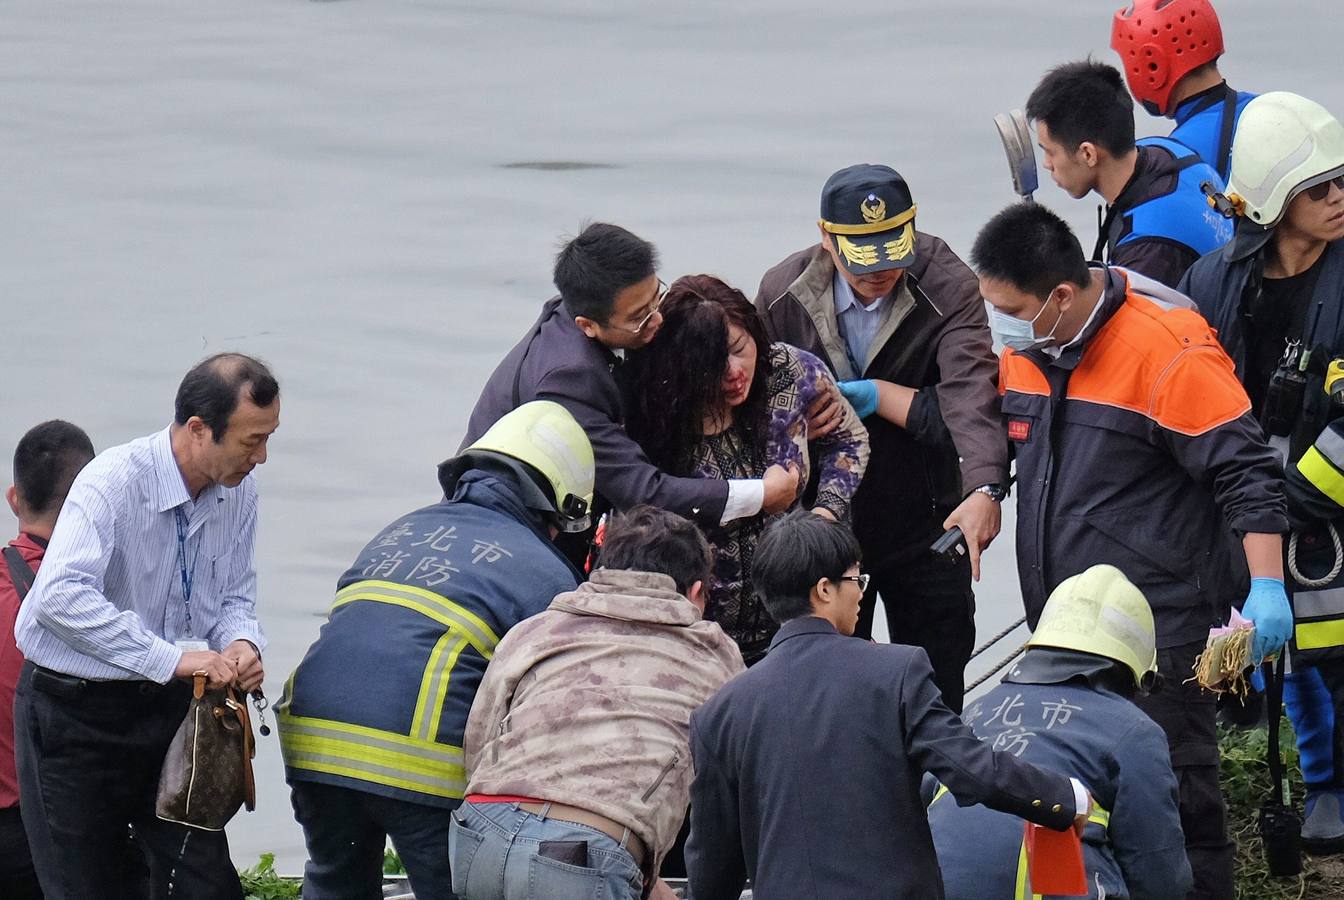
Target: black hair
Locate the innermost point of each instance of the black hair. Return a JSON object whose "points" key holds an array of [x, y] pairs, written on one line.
{"points": [[648, 539], [597, 265], [1031, 248], [46, 462], [795, 552], [1085, 101], [211, 389], [678, 377]]}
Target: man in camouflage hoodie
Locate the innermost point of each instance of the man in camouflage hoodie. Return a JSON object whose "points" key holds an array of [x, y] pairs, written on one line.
{"points": [[577, 749]]}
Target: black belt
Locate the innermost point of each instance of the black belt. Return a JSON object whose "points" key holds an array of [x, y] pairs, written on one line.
{"points": [[65, 686]]}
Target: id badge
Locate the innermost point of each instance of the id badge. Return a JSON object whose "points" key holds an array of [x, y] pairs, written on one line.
{"points": [[190, 646]]}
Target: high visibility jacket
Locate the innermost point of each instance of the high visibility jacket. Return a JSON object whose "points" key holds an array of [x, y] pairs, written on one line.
{"points": [[1136, 448], [380, 701], [1220, 283], [1133, 845]]}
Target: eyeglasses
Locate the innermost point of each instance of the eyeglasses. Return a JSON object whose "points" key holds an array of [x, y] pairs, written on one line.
{"points": [[861, 580], [1319, 192], [657, 302]]}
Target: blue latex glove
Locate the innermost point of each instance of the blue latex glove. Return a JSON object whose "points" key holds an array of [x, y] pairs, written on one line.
{"points": [[862, 395], [1267, 606]]}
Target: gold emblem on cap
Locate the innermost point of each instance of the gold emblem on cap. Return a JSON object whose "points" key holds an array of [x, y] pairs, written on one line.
{"points": [[874, 208], [857, 254], [900, 247]]}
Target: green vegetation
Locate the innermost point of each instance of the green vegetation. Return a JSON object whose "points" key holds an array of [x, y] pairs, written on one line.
{"points": [[1245, 780], [261, 883]]}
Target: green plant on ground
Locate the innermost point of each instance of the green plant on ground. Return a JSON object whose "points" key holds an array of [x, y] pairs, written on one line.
{"points": [[262, 883], [1245, 785]]}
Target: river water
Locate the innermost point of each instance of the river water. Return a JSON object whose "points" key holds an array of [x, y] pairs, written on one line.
{"points": [[337, 188]]}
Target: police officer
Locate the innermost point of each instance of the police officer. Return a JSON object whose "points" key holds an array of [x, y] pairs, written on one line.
{"points": [[372, 721]]}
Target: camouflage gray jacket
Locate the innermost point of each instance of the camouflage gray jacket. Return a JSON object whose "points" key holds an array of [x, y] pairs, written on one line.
{"points": [[589, 703]]}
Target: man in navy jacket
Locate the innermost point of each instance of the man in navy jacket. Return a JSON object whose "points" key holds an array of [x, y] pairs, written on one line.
{"points": [[808, 766]]}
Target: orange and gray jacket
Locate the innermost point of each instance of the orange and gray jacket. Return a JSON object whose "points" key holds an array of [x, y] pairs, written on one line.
{"points": [[1137, 448], [935, 338]]}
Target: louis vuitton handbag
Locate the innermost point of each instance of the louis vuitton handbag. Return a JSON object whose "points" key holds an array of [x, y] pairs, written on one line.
{"points": [[207, 773]]}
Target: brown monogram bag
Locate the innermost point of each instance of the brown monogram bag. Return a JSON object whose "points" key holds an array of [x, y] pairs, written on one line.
{"points": [[207, 773]]}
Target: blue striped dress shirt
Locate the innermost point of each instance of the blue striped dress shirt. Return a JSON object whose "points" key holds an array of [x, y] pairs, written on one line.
{"points": [[108, 600]]}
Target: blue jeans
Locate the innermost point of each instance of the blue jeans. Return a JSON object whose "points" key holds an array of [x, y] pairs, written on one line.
{"points": [[494, 853]]}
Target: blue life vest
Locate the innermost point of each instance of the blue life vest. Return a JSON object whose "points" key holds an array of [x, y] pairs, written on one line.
{"points": [[1183, 215], [1199, 125]]}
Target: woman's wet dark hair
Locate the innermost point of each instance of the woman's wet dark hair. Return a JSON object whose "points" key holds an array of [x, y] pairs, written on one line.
{"points": [[679, 376]]}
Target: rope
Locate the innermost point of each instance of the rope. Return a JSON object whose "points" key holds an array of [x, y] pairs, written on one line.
{"points": [[985, 677], [996, 638], [1335, 568]]}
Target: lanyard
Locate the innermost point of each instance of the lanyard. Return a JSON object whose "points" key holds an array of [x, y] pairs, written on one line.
{"points": [[188, 578]]}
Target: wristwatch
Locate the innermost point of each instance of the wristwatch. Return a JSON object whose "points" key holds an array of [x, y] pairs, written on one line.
{"points": [[995, 492]]}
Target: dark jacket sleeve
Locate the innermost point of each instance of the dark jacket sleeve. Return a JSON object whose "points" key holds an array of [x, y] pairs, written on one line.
{"points": [[941, 743], [624, 474], [714, 859], [1145, 826], [1159, 259], [1206, 419], [968, 373], [926, 424]]}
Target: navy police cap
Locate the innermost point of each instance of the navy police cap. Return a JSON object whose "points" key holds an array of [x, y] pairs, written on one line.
{"points": [[870, 217]]}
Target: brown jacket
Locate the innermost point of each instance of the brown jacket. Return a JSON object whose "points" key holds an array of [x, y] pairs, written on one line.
{"points": [[935, 335], [589, 703]]}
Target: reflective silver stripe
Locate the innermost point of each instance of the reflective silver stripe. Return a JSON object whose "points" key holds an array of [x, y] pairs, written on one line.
{"points": [[1313, 604], [1330, 444], [477, 632], [438, 753], [354, 768]]}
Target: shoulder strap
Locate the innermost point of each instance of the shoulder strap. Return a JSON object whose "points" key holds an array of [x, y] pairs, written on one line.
{"points": [[20, 572], [1223, 162]]}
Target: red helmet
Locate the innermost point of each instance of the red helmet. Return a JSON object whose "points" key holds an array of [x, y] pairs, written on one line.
{"points": [[1162, 41]]}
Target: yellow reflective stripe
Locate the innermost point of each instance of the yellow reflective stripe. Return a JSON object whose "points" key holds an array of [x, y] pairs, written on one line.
{"points": [[938, 794], [1318, 470], [1022, 889], [381, 757], [870, 227], [1315, 635], [427, 603], [434, 686], [1100, 816]]}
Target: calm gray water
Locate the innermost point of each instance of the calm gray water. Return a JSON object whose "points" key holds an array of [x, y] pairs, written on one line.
{"points": [[327, 185]]}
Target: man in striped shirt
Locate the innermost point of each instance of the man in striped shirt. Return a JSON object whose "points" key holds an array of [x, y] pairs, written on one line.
{"points": [[149, 577]]}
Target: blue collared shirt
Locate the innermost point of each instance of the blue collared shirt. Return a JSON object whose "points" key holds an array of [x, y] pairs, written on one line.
{"points": [[858, 323], [108, 601]]}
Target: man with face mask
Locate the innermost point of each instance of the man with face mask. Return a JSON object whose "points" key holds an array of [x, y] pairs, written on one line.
{"points": [[1136, 447]]}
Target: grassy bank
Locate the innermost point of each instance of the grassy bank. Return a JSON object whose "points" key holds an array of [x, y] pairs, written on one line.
{"points": [[1245, 778]]}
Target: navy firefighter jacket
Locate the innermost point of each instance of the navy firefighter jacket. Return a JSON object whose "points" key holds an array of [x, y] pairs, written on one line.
{"points": [[380, 701], [1136, 447], [1133, 846]]}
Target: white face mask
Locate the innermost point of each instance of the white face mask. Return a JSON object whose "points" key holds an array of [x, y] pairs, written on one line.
{"points": [[1020, 334]]}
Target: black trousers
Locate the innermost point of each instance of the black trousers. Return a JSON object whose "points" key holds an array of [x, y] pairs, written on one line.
{"points": [[89, 755], [929, 604], [18, 880], [1188, 715], [345, 831]]}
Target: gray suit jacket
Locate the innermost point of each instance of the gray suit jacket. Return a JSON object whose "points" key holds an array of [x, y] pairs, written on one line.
{"points": [[556, 361], [808, 769]]}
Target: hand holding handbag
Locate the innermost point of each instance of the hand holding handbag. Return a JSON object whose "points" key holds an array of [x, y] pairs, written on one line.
{"points": [[207, 772]]}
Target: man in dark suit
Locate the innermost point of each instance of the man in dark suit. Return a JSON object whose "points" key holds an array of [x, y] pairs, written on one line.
{"points": [[808, 766], [607, 306]]}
